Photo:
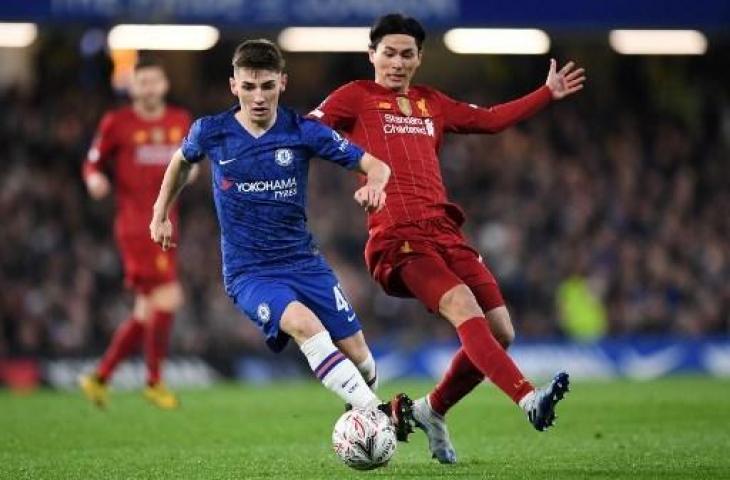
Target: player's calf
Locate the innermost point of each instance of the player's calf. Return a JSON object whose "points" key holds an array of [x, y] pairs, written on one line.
{"points": [[337, 372]]}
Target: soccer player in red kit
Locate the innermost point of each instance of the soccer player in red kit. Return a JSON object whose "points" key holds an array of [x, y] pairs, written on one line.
{"points": [[415, 246], [135, 143]]}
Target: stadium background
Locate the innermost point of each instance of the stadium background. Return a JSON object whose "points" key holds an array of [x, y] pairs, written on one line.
{"points": [[605, 218]]}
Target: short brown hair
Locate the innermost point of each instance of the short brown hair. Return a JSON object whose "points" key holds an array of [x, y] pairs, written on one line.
{"points": [[259, 54], [147, 59]]}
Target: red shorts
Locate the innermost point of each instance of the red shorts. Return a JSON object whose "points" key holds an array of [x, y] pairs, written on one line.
{"points": [[438, 259], [146, 266]]}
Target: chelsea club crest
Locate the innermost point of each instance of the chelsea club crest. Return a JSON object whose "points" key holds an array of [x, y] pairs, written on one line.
{"points": [[263, 312], [283, 157]]}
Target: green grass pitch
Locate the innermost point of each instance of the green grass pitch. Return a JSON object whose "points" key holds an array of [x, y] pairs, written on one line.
{"points": [[675, 428]]}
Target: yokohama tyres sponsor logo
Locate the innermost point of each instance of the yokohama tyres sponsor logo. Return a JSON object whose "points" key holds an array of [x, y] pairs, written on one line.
{"points": [[282, 188], [266, 185]]}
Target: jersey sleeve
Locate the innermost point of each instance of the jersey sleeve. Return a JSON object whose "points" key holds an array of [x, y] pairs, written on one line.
{"points": [[461, 117], [193, 145], [330, 145], [103, 147], [339, 109]]}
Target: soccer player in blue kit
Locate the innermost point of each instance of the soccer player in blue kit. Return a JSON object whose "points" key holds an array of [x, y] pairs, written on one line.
{"points": [[259, 154]]}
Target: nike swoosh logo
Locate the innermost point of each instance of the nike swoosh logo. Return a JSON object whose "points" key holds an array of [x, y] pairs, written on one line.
{"points": [[351, 317], [347, 381], [652, 365], [223, 162]]}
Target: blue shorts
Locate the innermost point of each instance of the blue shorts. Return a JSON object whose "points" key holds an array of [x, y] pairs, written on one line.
{"points": [[264, 297]]}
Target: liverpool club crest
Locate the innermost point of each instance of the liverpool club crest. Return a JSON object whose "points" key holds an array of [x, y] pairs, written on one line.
{"points": [[404, 104]]}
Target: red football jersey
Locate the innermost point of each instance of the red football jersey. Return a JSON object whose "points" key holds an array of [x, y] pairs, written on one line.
{"points": [[405, 131], [137, 151]]}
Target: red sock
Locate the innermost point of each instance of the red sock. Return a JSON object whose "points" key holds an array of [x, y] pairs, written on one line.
{"points": [[125, 339], [491, 359], [156, 338], [460, 379]]}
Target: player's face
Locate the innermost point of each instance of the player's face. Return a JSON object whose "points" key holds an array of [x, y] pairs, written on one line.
{"points": [[258, 93], [149, 86], [395, 59]]}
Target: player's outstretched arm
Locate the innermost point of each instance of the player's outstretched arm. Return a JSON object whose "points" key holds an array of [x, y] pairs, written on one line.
{"points": [[371, 196], [565, 81], [176, 177]]}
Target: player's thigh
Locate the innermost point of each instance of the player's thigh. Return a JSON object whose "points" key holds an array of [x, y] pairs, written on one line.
{"points": [[151, 274], [142, 309], [300, 322], [470, 269], [354, 347], [322, 293], [167, 297], [430, 280]]}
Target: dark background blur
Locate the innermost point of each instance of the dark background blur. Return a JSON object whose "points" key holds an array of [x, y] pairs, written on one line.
{"points": [[614, 203]]}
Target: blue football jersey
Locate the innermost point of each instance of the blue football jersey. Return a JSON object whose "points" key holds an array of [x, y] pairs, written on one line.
{"points": [[260, 188]]}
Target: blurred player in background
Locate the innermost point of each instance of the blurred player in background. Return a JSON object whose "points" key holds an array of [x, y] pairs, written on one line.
{"points": [[415, 246], [133, 144], [259, 154]]}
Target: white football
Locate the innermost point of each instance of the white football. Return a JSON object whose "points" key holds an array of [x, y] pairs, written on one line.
{"points": [[364, 438]]}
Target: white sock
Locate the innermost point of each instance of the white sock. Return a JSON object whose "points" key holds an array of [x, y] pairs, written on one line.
{"points": [[433, 412], [525, 402], [336, 372], [369, 372]]}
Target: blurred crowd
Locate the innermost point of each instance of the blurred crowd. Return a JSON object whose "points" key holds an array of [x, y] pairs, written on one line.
{"points": [[623, 191]]}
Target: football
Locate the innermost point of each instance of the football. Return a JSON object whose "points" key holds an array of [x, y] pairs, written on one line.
{"points": [[364, 439]]}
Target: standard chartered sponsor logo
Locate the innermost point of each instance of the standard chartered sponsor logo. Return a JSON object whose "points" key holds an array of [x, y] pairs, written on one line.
{"points": [[282, 188], [154, 154], [411, 125]]}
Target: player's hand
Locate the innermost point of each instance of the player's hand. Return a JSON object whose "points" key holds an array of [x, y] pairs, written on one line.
{"points": [[565, 81], [371, 198], [98, 185], [161, 233]]}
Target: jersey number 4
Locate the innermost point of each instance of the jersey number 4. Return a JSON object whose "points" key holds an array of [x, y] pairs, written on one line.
{"points": [[340, 299]]}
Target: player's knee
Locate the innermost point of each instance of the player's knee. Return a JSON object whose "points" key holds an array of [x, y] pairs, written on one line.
{"points": [[300, 323], [354, 347], [500, 324], [142, 309], [168, 298], [459, 305], [505, 336]]}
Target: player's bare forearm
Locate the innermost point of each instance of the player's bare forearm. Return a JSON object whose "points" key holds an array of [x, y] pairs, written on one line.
{"points": [[176, 177], [193, 174], [371, 196], [377, 171]]}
